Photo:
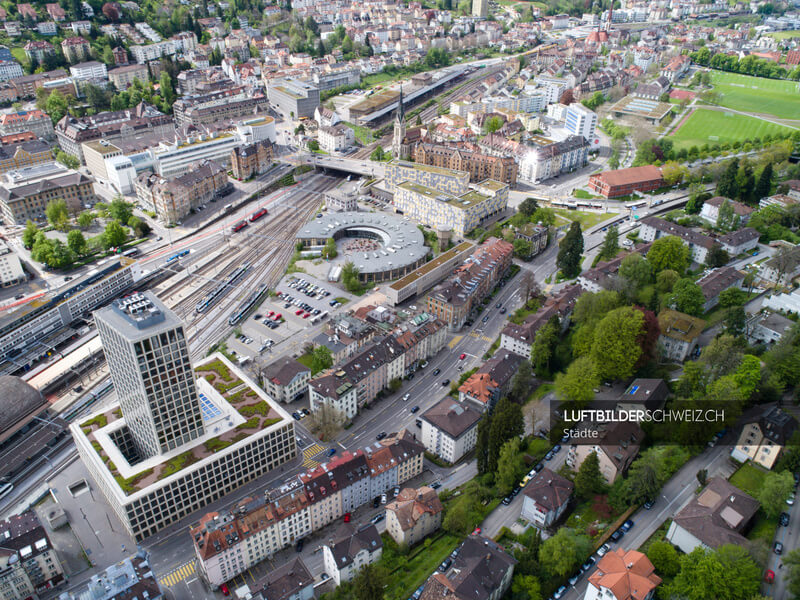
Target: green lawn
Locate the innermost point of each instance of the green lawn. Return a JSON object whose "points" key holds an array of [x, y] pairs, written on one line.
{"points": [[19, 55], [710, 127], [376, 78], [749, 478], [418, 566], [362, 134], [307, 360], [785, 35], [757, 94], [586, 219]]}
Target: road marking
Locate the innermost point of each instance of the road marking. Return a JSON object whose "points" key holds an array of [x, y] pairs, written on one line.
{"points": [[309, 453], [178, 574], [454, 341]]}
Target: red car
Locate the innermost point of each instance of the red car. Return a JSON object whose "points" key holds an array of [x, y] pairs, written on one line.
{"points": [[346, 517], [462, 357], [224, 589], [769, 576], [270, 313], [278, 317], [298, 312], [306, 315], [477, 531]]}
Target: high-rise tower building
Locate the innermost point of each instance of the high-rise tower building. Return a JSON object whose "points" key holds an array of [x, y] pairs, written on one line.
{"points": [[148, 356], [480, 8]]}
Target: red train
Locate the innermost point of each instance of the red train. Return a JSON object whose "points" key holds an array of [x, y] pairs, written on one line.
{"points": [[239, 226], [258, 214]]}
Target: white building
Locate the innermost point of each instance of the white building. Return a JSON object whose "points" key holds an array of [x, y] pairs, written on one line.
{"points": [[450, 429], [89, 70], [547, 495], [330, 391], [286, 379], [551, 159], [351, 551], [622, 575], [788, 302], [336, 139], [121, 174], [579, 120], [10, 69], [144, 54], [11, 272]]}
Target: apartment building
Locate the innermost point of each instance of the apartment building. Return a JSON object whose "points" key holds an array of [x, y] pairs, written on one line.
{"points": [[75, 49], [9, 69], [337, 138], [290, 581], [29, 565], [286, 379], [450, 429], [711, 208], [616, 448], [546, 498], [717, 281], [175, 198], [151, 52], [95, 154], [765, 434], [25, 193], [653, 228], [38, 50], [129, 578], [124, 76], [452, 300], [550, 159], [782, 267], [480, 166], [623, 574], [14, 156], [350, 551], [251, 159], [11, 272], [680, 334], [484, 388], [519, 339], [35, 121], [438, 179], [89, 71], [413, 515], [228, 543], [581, 121]]}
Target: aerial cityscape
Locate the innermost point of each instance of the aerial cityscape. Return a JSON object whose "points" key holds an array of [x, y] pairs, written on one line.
{"points": [[399, 300]]}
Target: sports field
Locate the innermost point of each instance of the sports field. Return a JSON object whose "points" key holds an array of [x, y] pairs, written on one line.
{"points": [[706, 126], [758, 95], [785, 35]]}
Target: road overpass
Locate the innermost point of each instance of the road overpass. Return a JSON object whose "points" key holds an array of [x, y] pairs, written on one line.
{"points": [[347, 165]]}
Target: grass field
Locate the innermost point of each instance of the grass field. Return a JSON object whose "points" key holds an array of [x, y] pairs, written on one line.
{"points": [[757, 94], [710, 126], [785, 35], [19, 55], [749, 478], [586, 219]]}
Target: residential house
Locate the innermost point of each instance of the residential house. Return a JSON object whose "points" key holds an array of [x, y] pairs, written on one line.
{"points": [[337, 138], [414, 515], [782, 267], [623, 575], [546, 498], [739, 241], [765, 433], [767, 327], [290, 581], [643, 394], [450, 429], [711, 207], [490, 382], [351, 550], [719, 515], [679, 334], [717, 281], [286, 379], [617, 447], [653, 228]]}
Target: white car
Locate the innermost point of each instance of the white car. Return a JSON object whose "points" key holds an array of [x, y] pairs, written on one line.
{"points": [[406, 397]]}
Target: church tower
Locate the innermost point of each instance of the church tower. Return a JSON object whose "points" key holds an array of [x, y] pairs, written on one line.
{"points": [[399, 130]]}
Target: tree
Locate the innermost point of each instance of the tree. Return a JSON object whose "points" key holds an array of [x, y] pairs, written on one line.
{"points": [[377, 154], [673, 173], [665, 558], [57, 213], [165, 87], [561, 554], [774, 491], [569, 254], [636, 269], [669, 252], [68, 160], [717, 256], [616, 348], [114, 235], [726, 216], [313, 145], [544, 215], [507, 423], [727, 186], [522, 249], [589, 480], [578, 382], [735, 321], [792, 562], [544, 344], [764, 184], [644, 480], [321, 359], [140, 227], [732, 297], [350, 277], [29, 235], [521, 383], [76, 242], [369, 582], [56, 106], [510, 464], [329, 251], [120, 210], [482, 444], [610, 245], [528, 207], [492, 124], [326, 421], [665, 280], [727, 572], [687, 297], [85, 219], [526, 587]]}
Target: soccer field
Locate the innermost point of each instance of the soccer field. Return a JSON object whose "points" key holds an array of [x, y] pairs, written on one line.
{"points": [[757, 94], [712, 127]]}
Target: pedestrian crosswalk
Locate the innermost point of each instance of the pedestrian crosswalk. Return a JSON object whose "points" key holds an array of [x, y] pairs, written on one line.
{"points": [[175, 576], [454, 341], [476, 335], [309, 453]]}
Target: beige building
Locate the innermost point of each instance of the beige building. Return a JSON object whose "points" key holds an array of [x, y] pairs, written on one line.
{"points": [[122, 77], [413, 515], [286, 379], [764, 436], [11, 272], [617, 447], [95, 154], [336, 138], [679, 334]]}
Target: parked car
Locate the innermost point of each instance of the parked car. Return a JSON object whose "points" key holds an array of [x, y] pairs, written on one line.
{"points": [[445, 382], [380, 436], [436, 485], [347, 517], [549, 455], [377, 519], [445, 565], [299, 546], [588, 564], [769, 576], [790, 499], [414, 409], [574, 579], [784, 519], [384, 499], [649, 504], [778, 548], [507, 500], [476, 531], [560, 592], [225, 590], [601, 551], [462, 357], [418, 422], [331, 451], [617, 535], [628, 525]]}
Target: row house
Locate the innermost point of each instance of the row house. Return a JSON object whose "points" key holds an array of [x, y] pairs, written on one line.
{"points": [[227, 543], [654, 228]]}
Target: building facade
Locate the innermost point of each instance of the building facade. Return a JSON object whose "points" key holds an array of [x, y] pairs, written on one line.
{"points": [[24, 154], [351, 551], [550, 159], [123, 77], [286, 379], [35, 121], [29, 565], [413, 515], [251, 159], [450, 429], [622, 182], [292, 97], [546, 499], [480, 166], [11, 272]]}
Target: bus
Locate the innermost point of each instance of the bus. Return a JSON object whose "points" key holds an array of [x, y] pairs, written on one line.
{"points": [[228, 207], [258, 214], [131, 253], [636, 204], [239, 226]]}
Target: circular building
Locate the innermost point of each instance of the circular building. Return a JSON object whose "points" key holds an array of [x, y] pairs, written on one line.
{"points": [[390, 247]]}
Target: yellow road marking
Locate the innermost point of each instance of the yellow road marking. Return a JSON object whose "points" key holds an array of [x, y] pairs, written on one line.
{"points": [[178, 574], [455, 341]]}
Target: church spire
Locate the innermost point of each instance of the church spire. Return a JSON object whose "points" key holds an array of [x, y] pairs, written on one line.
{"points": [[401, 113]]}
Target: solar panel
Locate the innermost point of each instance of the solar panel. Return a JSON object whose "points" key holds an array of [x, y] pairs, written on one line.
{"points": [[634, 389], [208, 408]]}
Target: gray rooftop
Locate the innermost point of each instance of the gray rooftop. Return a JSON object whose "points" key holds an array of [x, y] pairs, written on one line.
{"points": [[403, 242], [139, 316]]}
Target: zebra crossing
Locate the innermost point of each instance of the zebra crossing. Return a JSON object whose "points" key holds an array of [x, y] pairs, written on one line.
{"points": [[485, 338], [309, 453], [178, 574]]}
